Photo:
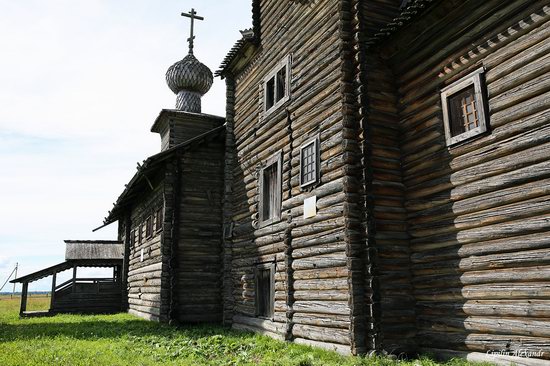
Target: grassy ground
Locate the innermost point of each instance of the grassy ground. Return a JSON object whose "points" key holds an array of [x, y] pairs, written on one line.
{"points": [[126, 340]]}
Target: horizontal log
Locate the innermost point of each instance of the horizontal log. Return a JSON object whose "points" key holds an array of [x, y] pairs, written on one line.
{"points": [[531, 308], [341, 349], [320, 334], [515, 326], [516, 291]]}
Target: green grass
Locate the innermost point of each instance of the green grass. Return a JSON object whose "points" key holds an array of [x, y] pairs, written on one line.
{"points": [[123, 339]]}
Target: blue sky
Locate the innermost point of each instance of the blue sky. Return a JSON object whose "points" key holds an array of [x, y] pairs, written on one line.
{"points": [[81, 83]]}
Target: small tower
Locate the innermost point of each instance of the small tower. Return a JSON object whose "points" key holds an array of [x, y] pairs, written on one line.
{"points": [[188, 78]]}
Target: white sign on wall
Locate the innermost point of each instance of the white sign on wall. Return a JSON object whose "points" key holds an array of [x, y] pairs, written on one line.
{"points": [[310, 207], [141, 260]]}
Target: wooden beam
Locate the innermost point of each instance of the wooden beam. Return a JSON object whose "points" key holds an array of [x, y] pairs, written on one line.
{"points": [[53, 290], [74, 277], [126, 261], [24, 291]]}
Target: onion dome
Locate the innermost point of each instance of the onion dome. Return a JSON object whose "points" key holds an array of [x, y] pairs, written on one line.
{"points": [[190, 80], [189, 74]]}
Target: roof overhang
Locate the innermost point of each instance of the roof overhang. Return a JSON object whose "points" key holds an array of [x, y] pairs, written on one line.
{"points": [[166, 114], [242, 50], [238, 57], [35, 276], [409, 11]]}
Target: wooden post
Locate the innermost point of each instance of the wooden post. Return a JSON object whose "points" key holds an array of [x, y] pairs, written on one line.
{"points": [[117, 273], [126, 262], [24, 291], [53, 290], [74, 278]]}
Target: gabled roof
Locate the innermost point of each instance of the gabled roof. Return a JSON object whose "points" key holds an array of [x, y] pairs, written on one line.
{"points": [[151, 166]]}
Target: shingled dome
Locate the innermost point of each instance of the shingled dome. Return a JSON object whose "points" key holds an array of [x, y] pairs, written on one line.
{"points": [[190, 80]]}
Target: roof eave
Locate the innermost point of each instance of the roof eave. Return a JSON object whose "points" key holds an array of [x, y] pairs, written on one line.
{"points": [[410, 11]]}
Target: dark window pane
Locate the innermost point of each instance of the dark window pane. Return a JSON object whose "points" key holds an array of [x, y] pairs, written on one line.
{"points": [[269, 94], [149, 227], [463, 114], [132, 238], [281, 84], [159, 219], [263, 288], [269, 192]]}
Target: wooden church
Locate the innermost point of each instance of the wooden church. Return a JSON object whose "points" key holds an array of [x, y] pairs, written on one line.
{"points": [[380, 182]]}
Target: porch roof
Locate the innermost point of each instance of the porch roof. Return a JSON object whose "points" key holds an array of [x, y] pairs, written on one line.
{"points": [[35, 276]]}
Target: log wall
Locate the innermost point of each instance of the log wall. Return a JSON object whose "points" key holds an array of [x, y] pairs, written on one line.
{"points": [[145, 277], [389, 296], [198, 257], [478, 213], [230, 155], [388, 234], [312, 289], [88, 298]]}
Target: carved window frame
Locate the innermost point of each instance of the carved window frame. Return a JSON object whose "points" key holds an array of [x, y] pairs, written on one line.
{"points": [[473, 79], [159, 218], [286, 62], [140, 233], [275, 160], [315, 142], [149, 228], [258, 292]]}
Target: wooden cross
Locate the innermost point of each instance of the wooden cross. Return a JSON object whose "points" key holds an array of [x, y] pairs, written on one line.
{"points": [[193, 15]]}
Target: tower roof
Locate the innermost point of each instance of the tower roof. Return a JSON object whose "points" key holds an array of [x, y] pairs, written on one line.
{"points": [[189, 74]]}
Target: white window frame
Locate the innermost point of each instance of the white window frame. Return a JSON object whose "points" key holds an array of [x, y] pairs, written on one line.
{"points": [[275, 159], [315, 142], [286, 62], [474, 79]]}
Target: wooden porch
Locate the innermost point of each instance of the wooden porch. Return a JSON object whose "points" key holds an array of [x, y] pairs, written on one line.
{"points": [[82, 295]]}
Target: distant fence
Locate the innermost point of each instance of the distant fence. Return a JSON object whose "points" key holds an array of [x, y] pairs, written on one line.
{"points": [[5, 295]]}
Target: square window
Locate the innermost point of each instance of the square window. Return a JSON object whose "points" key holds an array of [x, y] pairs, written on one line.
{"points": [[463, 111], [463, 105], [149, 227], [158, 219], [265, 290], [276, 86], [309, 163], [270, 191]]}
